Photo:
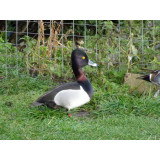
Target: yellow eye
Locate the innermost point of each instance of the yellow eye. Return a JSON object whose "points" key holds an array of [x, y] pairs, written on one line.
{"points": [[83, 57]]}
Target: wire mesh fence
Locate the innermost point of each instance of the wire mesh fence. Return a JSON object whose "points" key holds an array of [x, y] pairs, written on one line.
{"points": [[37, 47]]}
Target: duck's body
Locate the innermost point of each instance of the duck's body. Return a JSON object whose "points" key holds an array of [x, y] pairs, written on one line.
{"points": [[73, 94], [153, 77], [69, 95]]}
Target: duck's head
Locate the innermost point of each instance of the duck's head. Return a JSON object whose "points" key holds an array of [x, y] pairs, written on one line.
{"points": [[80, 59]]}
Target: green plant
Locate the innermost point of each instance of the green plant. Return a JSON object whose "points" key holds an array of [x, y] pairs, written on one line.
{"points": [[113, 45]]}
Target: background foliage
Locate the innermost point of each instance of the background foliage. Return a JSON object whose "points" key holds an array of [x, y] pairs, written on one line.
{"points": [[43, 48]]}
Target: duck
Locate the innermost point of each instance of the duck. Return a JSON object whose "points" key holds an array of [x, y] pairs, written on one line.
{"points": [[153, 77], [72, 94]]}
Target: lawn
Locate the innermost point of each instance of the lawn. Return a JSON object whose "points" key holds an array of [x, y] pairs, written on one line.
{"points": [[113, 113]]}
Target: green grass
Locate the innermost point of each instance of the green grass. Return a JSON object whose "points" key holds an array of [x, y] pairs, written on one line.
{"points": [[114, 113]]}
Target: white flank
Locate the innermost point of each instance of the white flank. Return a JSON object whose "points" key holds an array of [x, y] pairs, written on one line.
{"points": [[71, 98]]}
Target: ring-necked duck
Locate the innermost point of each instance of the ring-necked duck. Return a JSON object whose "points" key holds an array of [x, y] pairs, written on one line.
{"points": [[73, 94], [153, 77]]}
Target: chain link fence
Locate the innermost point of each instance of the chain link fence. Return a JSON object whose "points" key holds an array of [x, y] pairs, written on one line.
{"points": [[37, 47]]}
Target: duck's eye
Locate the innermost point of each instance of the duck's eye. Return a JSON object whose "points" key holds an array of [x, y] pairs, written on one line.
{"points": [[83, 57]]}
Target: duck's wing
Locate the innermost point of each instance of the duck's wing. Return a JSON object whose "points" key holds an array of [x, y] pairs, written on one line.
{"points": [[48, 97]]}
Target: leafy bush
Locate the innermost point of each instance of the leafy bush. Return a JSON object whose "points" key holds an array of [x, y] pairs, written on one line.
{"points": [[114, 45]]}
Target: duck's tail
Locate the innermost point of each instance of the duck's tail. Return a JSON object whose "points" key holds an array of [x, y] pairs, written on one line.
{"points": [[34, 104]]}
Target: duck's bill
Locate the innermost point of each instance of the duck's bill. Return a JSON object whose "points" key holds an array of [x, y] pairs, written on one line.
{"points": [[92, 63], [143, 77]]}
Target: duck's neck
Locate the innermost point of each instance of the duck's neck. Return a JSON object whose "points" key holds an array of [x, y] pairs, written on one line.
{"points": [[80, 76]]}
